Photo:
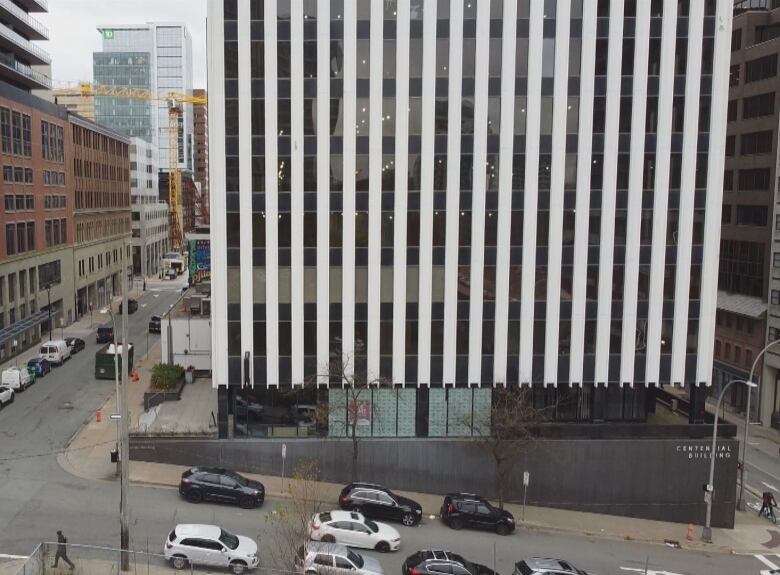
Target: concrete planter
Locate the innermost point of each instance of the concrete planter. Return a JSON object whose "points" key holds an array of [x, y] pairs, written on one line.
{"points": [[152, 398]]}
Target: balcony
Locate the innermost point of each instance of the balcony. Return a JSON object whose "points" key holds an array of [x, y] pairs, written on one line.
{"points": [[19, 73], [35, 5], [13, 42], [24, 22]]}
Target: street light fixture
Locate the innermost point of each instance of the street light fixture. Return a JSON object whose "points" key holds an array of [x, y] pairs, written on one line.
{"points": [[706, 534], [741, 500]]}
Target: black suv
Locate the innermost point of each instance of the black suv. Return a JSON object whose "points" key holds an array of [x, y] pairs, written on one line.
{"points": [[155, 324], [442, 563], [467, 510], [221, 485], [105, 334], [379, 502], [132, 306]]}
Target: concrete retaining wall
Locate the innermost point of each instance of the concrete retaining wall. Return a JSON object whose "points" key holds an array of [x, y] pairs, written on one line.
{"points": [[650, 478]]}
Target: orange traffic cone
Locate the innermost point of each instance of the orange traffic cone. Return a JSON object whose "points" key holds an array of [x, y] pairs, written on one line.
{"points": [[98, 416]]}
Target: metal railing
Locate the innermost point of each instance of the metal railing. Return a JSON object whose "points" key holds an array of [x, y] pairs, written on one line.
{"points": [[25, 44], [9, 61], [25, 17]]}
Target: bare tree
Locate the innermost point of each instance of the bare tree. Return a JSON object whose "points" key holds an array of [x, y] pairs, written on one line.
{"points": [[287, 527], [359, 408], [508, 430]]}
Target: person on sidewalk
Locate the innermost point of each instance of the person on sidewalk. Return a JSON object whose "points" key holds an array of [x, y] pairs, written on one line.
{"points": [[62, 551], [768, 503]]}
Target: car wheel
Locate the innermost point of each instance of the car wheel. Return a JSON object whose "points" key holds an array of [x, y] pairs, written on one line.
{"points": [[246, 503], [179, 562], [502, 529], [238, 567], [456, 524], [194, 496], [408, 519], [382, 547], [328, 539]]}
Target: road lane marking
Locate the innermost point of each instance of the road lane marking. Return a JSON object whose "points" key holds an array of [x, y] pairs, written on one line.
{"points": [[648, 572], [7, 556], [766, 562], [772, 487], [753, 465]]}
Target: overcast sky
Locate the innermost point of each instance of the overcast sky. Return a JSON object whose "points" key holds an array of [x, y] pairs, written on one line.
{"points": [[72, 28]]}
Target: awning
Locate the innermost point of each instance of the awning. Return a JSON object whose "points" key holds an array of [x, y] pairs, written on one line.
{"points": [[744, 305], [21, 326]]}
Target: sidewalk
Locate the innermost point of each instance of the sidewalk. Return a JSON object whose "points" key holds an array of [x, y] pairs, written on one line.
{"points": [[83, 327], [88, 456]]}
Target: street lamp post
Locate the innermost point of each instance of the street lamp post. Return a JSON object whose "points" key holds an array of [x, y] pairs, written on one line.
{"points": [[741, 500], [110, 312], [48, 291], [706, 534]]}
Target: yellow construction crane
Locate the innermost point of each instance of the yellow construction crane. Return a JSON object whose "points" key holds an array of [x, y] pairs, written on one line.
{"points": [[175, 101]]}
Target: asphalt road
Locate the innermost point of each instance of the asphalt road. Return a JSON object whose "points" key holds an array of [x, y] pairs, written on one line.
{"points": [[37, 497]]}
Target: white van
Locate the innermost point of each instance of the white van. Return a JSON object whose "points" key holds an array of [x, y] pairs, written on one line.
{"points": [[56, 351], [17, 378]]}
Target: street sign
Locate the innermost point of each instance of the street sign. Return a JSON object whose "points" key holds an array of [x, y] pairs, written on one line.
{"points": [[284, 451], [526, 478]]}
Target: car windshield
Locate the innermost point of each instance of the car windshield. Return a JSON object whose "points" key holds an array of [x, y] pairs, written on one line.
{"points": [[372, 526], [355, 558], [230, 540]]}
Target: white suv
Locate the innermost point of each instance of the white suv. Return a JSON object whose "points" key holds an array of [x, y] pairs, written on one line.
{"points": [[210, 545], [334, 559]]}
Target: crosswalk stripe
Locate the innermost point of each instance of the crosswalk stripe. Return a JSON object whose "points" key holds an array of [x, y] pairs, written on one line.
{"points": [[766, 562], [6, 556]]}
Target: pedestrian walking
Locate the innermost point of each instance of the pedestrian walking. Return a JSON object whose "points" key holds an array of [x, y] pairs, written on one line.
{"points": [[62, 551]]}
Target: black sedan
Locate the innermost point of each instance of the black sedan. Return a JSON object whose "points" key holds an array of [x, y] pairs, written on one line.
{"points": [[378, 502], [76, 344], [155, 324], [429, 562], [220, 485]]}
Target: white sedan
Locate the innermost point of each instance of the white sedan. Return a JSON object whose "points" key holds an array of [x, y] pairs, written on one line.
{"points": [[353, 529], [6, 395]]}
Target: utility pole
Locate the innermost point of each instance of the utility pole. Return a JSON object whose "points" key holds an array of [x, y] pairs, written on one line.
{"points": [[124, 420]]}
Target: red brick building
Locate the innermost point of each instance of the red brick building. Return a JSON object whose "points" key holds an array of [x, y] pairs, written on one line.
{"points": [[36, 219]]}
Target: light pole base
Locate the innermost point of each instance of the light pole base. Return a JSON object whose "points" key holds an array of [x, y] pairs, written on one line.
{"points": [[706, 534], [741, 505]]}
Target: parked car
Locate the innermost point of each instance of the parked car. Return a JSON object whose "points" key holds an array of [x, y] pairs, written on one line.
{"points": [[7, 395], [17, 378], [221, 485], [105, 334], [353, 529], [379, 502], [55, 350], [438, 562], [76, 344], [211, 546], [39, 366], [542, 566], [132, 306], [468, 510], [335, 559], [155, 324]]}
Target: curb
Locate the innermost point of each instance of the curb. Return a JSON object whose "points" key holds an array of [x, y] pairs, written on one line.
{"points": [[530, 526]]}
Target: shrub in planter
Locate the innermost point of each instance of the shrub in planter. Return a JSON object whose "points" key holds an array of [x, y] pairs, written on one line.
{"points": [[165, 376]]}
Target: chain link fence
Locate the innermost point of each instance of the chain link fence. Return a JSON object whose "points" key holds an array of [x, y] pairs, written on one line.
{"points": [[95, 560]]}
